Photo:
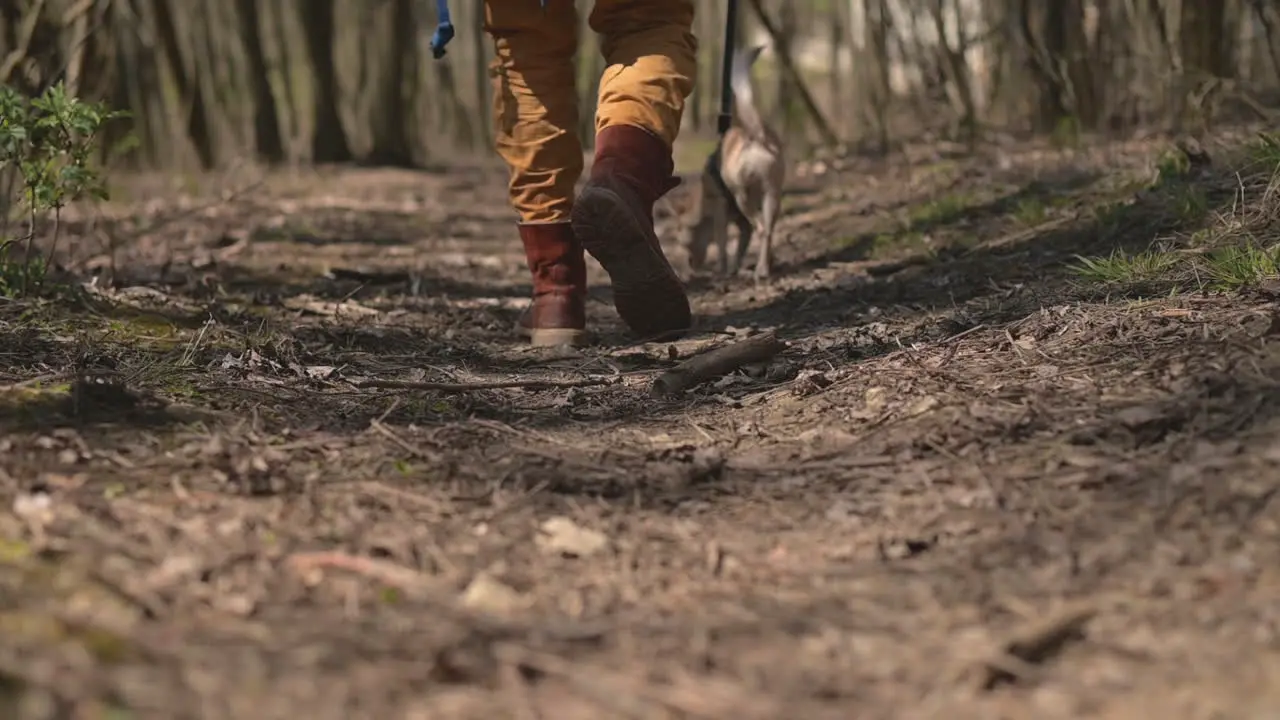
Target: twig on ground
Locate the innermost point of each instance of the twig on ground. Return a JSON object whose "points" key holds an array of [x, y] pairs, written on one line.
{"points": [[881, 359], [1034, 645], [962, 334], [717, 362], [682, 695], [225, 199], [1021, 236], [401, 578], [416, 452], [463, 387], [518, 502], [41, 379], [375, 487]]}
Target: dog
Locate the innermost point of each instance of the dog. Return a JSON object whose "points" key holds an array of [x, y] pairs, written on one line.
{"points": [[742, 182]]}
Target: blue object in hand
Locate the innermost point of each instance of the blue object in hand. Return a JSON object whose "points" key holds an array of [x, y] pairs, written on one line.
{"points": [[444, 29]]}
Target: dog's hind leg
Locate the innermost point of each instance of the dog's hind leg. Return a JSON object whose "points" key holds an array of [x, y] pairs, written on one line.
{"points": [[720, 229], [769, 211], [745, 234], [742, 199]]}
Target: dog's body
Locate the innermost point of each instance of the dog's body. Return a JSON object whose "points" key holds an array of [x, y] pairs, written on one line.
{"points": [[741, 182]]}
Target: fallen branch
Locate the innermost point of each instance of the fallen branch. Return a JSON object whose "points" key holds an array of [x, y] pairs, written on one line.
{"points": [[311, 565], [1034, 645], [721, 361], [457, 387], [415, 452]]}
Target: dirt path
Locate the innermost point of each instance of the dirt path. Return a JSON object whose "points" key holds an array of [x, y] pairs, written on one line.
{"points": [[977, 484]]}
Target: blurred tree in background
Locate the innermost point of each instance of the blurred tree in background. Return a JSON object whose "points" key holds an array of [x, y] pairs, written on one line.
{"points": [[209, 82]]}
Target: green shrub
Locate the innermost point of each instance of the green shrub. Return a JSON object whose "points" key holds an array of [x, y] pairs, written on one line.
{"points": [[47, 147]]}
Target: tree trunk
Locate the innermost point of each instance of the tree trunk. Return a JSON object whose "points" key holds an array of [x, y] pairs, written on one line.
{"points": [[266, 118], [329, 139], [1203, 39]]}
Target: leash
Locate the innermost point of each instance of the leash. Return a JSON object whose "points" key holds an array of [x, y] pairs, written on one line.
{"points": [[726, 67], [725, 119]]}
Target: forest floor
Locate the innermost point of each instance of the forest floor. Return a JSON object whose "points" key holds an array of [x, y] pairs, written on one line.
{"points": [[986, 479]]}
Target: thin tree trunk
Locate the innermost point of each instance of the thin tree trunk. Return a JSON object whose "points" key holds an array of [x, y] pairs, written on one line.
{"points": [[329, 140], [266, 117]]}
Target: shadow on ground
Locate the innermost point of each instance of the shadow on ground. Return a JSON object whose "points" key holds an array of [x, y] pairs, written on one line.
{"points": [[1005, 271], [971, 489]]}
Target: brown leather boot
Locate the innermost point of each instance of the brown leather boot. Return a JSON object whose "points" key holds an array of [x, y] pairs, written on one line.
{"points": [[558, 314], [613, 218]]}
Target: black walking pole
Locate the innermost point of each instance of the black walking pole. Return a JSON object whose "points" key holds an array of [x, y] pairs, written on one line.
{"points": [[726, 67]]}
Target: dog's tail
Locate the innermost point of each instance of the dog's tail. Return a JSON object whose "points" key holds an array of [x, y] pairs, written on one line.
{"points": [[744, 100]]}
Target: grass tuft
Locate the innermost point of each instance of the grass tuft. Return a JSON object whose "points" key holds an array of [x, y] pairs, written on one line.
{"points": [[1237, 266], [1121, 267]]}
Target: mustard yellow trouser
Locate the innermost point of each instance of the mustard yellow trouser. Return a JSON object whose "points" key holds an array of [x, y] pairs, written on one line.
{"points": [[652, 64]]}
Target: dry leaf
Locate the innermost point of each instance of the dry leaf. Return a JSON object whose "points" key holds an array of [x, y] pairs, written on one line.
{"points": [[489, 594], [562, 535], [922, 406], [875, 399]]}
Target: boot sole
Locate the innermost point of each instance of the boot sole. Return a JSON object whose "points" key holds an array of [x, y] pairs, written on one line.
{"points": [[553, 337], [647, 294]]}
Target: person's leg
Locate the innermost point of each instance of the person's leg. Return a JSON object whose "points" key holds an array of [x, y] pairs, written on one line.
{"points": [[652, 57], [535, 113]]}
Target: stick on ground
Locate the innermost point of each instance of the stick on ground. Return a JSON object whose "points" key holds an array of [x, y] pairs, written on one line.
{"points": [[1035, 644], [713, 364], [453, 387]]}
